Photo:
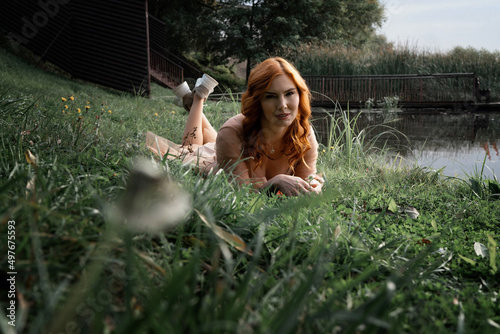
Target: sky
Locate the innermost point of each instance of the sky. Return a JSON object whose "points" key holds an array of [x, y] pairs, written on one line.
{"points": [[441, 25]]}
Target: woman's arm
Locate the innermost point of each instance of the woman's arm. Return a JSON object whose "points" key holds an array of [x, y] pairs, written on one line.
{"points": [[229, 150], [308, 172], [289, 185]]}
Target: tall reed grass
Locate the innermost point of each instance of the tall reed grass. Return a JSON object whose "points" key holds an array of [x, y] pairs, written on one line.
{"points": [[313, 59]]}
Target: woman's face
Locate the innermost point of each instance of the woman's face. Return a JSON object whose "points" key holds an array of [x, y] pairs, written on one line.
{"points": [[280, 104]]}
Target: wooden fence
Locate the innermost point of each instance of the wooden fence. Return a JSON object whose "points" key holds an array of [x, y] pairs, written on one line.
{"points": [[409, 90]]}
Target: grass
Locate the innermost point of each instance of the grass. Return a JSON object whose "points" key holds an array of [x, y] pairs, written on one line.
{"points": [[348, 260]]}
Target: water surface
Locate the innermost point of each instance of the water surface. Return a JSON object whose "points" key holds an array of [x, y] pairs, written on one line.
{"points": [[456, 142]]}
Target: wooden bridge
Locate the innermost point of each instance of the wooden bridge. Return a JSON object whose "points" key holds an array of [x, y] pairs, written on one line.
{"points": [[410, 91]]}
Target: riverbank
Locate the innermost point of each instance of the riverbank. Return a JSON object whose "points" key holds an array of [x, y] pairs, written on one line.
{"points": [[383, 248]]}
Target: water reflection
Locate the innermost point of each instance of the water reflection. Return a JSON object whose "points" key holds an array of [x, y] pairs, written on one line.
{"points": [[455, 141]]}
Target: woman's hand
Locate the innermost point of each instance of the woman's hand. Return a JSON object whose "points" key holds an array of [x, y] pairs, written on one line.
{"points": [[316, 182], [293, 185]]}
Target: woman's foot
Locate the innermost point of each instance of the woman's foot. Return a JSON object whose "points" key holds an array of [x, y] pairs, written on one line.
{"points": [[204, 86], [184, 97]]}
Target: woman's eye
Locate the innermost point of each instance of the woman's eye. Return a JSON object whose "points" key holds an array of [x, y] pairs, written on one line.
{"points": [[269, 96], [290, 93]]}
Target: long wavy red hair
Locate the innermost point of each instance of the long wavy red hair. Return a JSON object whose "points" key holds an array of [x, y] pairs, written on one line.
{"points": [[295, 139]]}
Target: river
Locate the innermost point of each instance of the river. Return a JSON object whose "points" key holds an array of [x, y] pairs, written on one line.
{"points": [[456, 142]]}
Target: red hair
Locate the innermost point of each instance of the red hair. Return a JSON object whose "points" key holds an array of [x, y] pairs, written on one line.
{"points": [[295, 139]]}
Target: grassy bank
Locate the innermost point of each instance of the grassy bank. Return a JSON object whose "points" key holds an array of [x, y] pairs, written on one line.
{"points": [[403, 59], [89, 256]]}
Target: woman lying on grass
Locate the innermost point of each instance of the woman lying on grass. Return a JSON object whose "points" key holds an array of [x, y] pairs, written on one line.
{"points": [[270, 145]]}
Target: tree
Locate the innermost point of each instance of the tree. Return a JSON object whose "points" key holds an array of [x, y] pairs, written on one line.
{"points": [[254, 29], [257, 28], [188, 23]]}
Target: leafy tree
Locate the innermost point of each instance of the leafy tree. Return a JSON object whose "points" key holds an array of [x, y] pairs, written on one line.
{"points": [[188, 23], [254, 29]]}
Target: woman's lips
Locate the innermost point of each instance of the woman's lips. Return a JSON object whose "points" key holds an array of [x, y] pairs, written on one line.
{"points": [[282, 117]]}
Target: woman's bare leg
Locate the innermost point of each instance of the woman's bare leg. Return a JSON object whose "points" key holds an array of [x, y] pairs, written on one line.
{"points": [[198, 129], [209, 133]]}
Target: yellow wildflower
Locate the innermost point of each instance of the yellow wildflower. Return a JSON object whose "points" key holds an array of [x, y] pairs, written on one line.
{"points": [[79, 110], [64, 99], [72, 98], [110, 111], [66, 106], [63, 111], [156, 114], [87, 107], [324, 151], [173, 112]]}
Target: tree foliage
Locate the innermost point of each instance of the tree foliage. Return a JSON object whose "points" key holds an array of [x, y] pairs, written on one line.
{"points": [[254, 29]]}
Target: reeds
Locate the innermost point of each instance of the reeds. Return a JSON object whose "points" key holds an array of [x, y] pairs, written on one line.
{"points": [[313, 59], [353, 146], [479, 186]]}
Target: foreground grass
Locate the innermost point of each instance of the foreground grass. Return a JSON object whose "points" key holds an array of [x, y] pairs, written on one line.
{"points": [[348, 260]]}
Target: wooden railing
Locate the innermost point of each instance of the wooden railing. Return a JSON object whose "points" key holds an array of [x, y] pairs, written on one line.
{"points": [[165, 67], [164, 70], [411, 90], [191, 73]]}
